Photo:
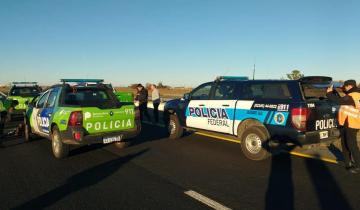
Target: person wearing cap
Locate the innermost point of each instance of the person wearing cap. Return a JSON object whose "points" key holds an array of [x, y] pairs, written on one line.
{"points": [[155, 97], [142, 98], [349, 121]]}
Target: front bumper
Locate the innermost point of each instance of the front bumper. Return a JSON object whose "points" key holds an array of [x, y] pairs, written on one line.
{"points": [[87, 139]]}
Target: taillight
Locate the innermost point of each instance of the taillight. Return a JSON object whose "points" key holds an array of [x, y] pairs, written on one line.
{"points": [[76, 119], [299, 116], [77, 136]]}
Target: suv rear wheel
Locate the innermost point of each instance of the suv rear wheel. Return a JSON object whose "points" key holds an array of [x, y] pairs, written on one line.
{"points": [[252, 143], [60, 150], [174, 128]]}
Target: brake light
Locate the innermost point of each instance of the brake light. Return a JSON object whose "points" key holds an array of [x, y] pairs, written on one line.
{"points": [[299, 116], [76, 119], [77, 136]]}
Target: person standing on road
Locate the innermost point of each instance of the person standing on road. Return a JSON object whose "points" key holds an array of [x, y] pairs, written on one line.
{"points": [[142, 98], [155, 97], [349, 120]]}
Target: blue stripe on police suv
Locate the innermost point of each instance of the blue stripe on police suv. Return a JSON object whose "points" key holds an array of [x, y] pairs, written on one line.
{"points": [[264, 116]]}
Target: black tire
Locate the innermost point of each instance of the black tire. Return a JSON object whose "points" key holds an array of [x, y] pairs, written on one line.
{"points": [[174, 128], [121, 144], [252, 143], [27, 131], [60, 150]]}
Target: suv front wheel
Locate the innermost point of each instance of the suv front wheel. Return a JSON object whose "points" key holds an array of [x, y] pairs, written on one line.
{"points": [[174, 128]]}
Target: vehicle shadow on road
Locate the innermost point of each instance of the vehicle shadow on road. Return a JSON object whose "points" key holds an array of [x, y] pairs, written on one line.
{"points": [[150, 133], [280, 191], [327, 190], [80, 181]]}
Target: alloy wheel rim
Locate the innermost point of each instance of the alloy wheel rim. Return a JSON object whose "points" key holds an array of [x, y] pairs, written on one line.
{"points": [[172, 127], [56, 144], [253, 143]]}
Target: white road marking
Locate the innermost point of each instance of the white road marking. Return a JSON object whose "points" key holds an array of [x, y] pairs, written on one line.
{"points": [[205, 200]]}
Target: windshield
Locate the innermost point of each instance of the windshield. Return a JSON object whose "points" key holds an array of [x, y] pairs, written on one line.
{"points": [[90, 97], [24, 91]]}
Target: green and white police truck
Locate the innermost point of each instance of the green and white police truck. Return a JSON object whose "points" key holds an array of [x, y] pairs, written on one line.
{"points": [[75, 114]]}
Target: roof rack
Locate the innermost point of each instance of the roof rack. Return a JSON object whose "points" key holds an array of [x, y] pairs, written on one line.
{"points": [[232, 78], [24, 83]]}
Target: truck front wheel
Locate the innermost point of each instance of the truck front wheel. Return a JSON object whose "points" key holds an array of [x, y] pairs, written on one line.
{"points": [[252, 143]]}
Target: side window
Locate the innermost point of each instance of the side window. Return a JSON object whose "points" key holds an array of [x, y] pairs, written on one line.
{"points": [[224, 91], [264, 91], [52, 98], [202, 92], [42, 100]]}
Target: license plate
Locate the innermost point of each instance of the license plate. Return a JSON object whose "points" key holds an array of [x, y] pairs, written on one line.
{"points": [[108, 140], [324, 134]]}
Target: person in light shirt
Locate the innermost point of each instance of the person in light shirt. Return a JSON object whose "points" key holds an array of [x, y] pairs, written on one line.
{"points": [[155, 97]]}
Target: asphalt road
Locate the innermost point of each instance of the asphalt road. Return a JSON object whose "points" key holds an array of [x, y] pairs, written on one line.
{"points": [[155, 173]]}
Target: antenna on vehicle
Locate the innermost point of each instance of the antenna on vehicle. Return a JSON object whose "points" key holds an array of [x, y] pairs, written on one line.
{"points": [[254, 68]]}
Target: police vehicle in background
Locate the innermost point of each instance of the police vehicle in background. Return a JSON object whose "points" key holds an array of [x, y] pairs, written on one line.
{"points": [[73, 113], [257, 112], [23, 92]]}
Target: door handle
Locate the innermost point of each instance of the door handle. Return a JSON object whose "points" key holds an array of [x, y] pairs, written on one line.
{"points": [[227, 105], [201, 104]]}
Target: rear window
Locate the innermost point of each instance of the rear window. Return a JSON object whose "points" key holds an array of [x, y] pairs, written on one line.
{"points": [[314, 91], [89, 97], [24, 91], [264, 91]]}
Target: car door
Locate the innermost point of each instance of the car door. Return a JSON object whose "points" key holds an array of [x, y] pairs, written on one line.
{"points": [[221, 107], [196, 116], [36, 113], [48, 110]]}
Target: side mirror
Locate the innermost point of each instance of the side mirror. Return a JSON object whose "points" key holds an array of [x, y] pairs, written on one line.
{"points": [[187, 96]]}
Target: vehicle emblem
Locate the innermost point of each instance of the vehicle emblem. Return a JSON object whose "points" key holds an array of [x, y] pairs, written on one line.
{"points": [[279, 118], [111, 113]]}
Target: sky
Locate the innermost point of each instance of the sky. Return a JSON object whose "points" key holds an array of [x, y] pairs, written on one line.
{"points": [[178, 42]]}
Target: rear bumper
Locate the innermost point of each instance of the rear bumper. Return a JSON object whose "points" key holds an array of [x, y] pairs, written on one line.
{"points": [[68, 135], [313, 137]]}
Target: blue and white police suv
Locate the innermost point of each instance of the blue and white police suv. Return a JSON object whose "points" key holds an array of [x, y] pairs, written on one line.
{"points": [[257, 112]]}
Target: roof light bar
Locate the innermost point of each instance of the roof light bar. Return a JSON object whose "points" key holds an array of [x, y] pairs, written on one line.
{"points": [[234, 78], [82, 80], [24, 83]]}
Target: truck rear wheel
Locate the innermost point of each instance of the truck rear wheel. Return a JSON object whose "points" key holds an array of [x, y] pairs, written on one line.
{"points": [[174, 128], [252, 143], [60, 150]]}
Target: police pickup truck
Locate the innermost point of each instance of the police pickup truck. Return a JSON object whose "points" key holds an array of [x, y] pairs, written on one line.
{"points": [[74, 113], [257, 112]]}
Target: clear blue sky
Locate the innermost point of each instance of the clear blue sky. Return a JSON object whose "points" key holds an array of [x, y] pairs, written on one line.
{"points": [[179, 42]]}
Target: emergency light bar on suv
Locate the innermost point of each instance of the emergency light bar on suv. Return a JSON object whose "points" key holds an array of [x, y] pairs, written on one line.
{"points": [[231, 78], [82, 80], [24, 83]]}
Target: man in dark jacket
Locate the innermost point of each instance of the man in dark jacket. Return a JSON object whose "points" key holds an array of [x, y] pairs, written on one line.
{"points": [[142, 97], [349, 123]]}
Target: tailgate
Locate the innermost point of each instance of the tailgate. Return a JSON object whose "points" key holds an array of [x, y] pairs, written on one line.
{"points": [[323, 115], [97, 120]]}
